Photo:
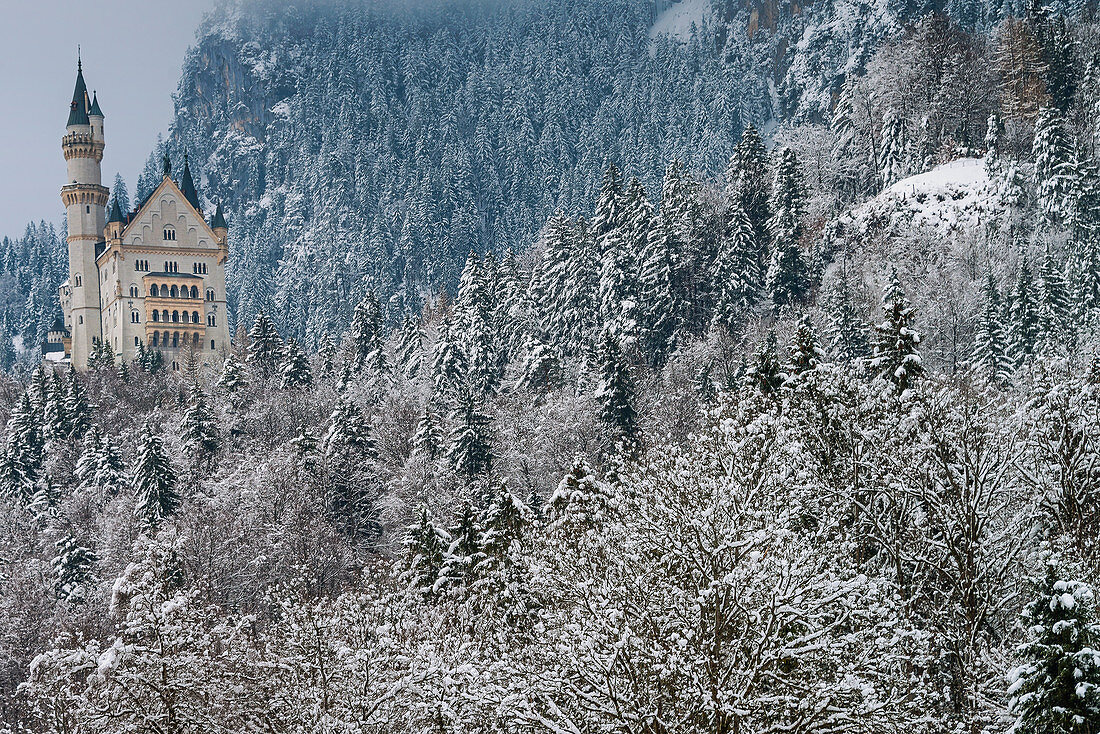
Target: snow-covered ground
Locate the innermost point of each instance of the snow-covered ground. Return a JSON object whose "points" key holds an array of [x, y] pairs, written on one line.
{"points": [[949, 198], [677, 21]]}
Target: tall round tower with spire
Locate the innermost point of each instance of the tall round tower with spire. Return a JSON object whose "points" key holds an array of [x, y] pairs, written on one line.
{"points": [[85, 200]]}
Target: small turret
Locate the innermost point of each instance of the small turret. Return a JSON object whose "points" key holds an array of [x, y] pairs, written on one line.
{"points": [[94, 111], [115, 224], [187, 186], [78, 108], [221, 229]]}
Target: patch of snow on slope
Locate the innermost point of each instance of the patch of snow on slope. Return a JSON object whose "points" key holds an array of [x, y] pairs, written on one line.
{"points": [[677, 20], [949, 198]]}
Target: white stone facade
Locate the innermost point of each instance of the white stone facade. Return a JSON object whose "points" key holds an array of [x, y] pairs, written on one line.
{"points": [[154, 277]]}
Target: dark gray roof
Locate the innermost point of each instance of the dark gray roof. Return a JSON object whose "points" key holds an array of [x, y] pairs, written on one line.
{"points": [[78, 109]]}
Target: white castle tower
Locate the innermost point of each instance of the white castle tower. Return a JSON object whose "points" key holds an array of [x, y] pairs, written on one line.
{"points": [[85, 200], [150, 280]]}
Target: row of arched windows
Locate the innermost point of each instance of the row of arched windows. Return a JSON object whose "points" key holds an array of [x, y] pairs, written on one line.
{"points": [[175, 291], [176, 317]]}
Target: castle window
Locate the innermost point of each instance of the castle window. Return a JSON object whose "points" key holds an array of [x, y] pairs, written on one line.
{"points": [[133, 291], [169, 234], [156, 316], [136, 342], [212, 320], [135, 319], [164, 315], [175, 317], [77, 281], [87, 210], [156, 340], [194, 291], [194, 317], [211, 343], [210, 294], [175, 292], [154, 291], [175, 339], [81, 320]]}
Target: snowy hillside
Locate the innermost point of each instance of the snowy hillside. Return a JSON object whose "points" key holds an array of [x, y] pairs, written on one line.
{"points": [[950, 198], [679, 20]]}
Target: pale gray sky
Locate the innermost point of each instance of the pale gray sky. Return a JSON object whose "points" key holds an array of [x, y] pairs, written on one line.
{"points": [[132, 50]]}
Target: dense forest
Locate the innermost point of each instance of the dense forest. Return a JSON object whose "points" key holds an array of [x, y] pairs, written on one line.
{"points": [[807, 439]]}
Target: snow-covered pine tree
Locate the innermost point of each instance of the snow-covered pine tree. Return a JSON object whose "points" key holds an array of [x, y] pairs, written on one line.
{"points": [[425, 544], [307, 450], [470, 452], [77, 409], [804, 354], [233, 376], [448, 361], [897, 358], [501, 572], [153, 480], [1054, 306], [991, 356], [1054, 179], [74, 569], [615, 391], [894, 156], [100, 466], [580, 504], [994, 162], [428, 439], [264, 346], [845, 329], [55, 420], [1023, 316], [199, 431], [410, 348], [1056, 690], [541, 370], [660, 304], [788, 275], [464, 552], [326, 353], [365, 338], [349, 455], [294, 369], [766, 373], [737, 272], [748, 184]]}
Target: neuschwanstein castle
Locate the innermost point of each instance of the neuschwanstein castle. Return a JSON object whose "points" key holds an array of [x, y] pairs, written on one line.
{"points": [[154, 276]]}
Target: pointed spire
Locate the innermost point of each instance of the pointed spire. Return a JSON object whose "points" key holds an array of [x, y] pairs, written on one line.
{"points": [[78, 108], [116, 213], [218, 222], [95, 106], [187, 185]]}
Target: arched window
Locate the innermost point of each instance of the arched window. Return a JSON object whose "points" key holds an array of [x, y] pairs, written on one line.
{"points": [[194, 291], [154, 292], [156, 340], [169, 234], [164, 315], [175, 317], [175, 291], [133, 291], [210, 294], [195, 340], [135, 318], [194, 317], [175, 339], [156, 316]]}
